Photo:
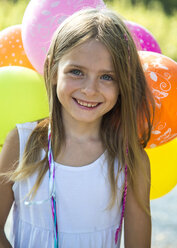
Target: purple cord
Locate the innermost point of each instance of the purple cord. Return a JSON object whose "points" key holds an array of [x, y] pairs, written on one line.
{"points": [[52, 188], [123, 207], [123, 203]]}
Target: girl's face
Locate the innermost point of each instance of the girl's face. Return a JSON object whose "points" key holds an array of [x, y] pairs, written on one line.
{"points": [[86, 86]]}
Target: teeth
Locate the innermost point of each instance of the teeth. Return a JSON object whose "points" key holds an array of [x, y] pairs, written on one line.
{"points": [[89, 105]]}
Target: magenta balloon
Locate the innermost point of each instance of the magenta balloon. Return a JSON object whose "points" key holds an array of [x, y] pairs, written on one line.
{"points": [[40, 20], [143, 39]]}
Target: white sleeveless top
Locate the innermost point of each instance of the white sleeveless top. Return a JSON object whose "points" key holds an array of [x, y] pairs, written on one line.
{"points": [[82, 196]]}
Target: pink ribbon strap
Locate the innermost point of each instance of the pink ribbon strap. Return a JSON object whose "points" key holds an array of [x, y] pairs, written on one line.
{"points": [[123, 207]]}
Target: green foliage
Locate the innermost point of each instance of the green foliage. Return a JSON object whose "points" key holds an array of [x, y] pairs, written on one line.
{"points": [[168, 5], [11, 13], [161, 25]]}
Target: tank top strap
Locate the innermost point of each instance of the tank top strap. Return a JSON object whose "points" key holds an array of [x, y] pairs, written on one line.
{"points": [[24, 131]]}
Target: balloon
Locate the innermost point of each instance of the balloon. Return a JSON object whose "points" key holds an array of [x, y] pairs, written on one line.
{"points": [[11, 48], [22, 98], [143, 39], [41, 19], [161, 74], [163, 161]]}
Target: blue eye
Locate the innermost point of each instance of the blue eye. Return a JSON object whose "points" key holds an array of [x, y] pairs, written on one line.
{"points": [[107, 77], [76, 72]]}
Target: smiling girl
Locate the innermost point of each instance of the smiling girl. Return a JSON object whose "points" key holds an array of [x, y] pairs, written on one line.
{"points": [[84, 168]]}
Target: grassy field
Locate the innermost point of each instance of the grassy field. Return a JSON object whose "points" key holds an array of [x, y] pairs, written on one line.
{"points": [[162, 27]]}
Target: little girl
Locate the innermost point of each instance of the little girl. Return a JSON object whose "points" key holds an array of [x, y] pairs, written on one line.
{"points": [[73, 176]]}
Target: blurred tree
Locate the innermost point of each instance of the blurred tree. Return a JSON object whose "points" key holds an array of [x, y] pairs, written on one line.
{"points": [[169, 6]]}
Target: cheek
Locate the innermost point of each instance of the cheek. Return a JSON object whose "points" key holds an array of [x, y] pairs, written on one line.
{"points": [[65, 88], [62, 85], [113, 95], [114, 100]]}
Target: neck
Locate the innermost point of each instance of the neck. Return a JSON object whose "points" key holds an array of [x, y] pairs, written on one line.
{"points": [[81, 131]]}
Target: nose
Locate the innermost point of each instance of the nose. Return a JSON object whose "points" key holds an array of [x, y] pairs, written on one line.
{"points": [[89, 86]]}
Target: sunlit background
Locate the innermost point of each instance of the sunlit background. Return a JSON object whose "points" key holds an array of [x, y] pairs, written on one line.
{"points": [[160, 18]]}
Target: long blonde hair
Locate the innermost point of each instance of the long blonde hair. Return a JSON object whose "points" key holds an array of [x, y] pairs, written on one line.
{"points": [[127, 125]]}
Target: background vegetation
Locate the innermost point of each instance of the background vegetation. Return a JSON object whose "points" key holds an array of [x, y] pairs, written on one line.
{"points": [[155, 19], [169, 6], [159, 17]]}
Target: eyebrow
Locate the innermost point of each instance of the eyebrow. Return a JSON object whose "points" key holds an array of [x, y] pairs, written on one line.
{"points": [[82, 67]]}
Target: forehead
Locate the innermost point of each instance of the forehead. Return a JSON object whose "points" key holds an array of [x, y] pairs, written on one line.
{"points": [[91, 51]]}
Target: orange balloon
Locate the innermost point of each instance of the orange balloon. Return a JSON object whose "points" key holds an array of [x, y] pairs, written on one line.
{"points": [[11, 48], [161, 74]]}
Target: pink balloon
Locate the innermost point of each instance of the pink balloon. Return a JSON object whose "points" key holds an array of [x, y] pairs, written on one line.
{"points": [[40, 20], [143, 39]]}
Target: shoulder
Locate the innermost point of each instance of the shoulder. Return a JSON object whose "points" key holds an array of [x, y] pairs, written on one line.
{"points": [[138, 189], [8, 162], [9, 155], [137, 221], [13, 146], [144, 168], [141, 171]]}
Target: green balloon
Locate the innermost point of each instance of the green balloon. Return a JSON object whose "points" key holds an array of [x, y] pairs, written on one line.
{"points": [[23, 98]]}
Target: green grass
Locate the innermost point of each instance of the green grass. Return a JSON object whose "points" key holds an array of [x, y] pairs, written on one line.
{"points": [[162, 26]]}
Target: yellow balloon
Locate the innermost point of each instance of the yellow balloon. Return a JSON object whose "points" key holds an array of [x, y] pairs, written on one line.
{"points": [[23, 98], [163, 161]]}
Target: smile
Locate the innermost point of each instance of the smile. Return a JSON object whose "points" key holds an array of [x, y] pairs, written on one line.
{"points": [[86, 104]]}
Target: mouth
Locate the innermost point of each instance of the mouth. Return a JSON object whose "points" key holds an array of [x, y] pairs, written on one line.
{"points": [[84, 104]]}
